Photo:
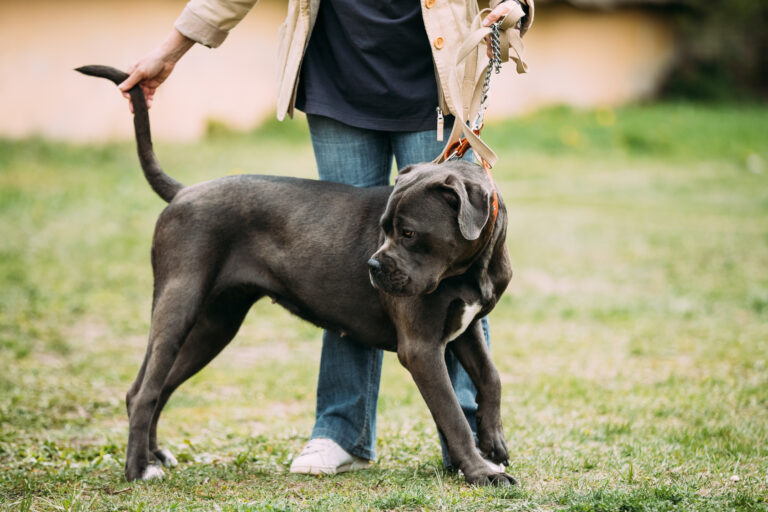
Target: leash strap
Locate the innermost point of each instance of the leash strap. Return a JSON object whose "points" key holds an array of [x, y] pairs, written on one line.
{"points": [[466, 97]]}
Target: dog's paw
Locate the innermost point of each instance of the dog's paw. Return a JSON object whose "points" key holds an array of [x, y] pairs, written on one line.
{"points": [[166, 458], [492, 479], [494, 447], [139, 471], [152, 472]]}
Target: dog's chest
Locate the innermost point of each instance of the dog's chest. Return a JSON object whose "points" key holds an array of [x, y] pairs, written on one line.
{"points": [[460, 318]]}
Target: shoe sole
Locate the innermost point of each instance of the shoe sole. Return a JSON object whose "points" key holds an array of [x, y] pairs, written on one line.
{"points": [[319, 470]]}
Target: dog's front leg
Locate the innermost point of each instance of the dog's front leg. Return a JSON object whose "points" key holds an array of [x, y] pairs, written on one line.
{"points": [[425, 360], [473, 353]]}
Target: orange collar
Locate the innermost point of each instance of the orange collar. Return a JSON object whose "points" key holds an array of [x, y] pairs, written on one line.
{"points": [[495, 199]]}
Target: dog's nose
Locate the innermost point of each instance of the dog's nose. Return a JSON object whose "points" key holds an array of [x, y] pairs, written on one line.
{"points": [[374, 264]]}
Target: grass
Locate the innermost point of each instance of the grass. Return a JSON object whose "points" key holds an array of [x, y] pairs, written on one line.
{"points": [[632, 342]]}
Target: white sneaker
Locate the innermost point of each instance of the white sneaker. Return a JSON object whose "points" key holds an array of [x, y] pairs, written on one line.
{"points": [[324, 456]]}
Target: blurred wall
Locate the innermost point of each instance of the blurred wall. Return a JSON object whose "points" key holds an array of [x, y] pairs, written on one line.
{"points": [[579, 57]]}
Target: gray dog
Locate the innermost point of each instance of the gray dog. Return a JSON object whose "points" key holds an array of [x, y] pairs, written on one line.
{"points": [[410, 269]]}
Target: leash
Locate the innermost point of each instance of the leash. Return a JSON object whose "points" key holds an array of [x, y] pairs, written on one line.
{"points": [[457, 149], [473, 98], [466, 98]]}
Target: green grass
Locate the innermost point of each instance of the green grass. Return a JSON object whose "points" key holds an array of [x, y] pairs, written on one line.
{"points": [[632, 342]]}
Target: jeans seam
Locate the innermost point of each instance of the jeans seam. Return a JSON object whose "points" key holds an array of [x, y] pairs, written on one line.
{"points": [[365, 431]]}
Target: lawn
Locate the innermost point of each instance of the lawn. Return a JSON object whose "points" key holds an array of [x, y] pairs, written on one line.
{"points": [[632, 342]]}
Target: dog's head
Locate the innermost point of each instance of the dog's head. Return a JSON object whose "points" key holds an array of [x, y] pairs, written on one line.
{"points": [[437, 220]]}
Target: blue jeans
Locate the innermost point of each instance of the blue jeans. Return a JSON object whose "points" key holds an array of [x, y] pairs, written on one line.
{"points": [[348, 385]]}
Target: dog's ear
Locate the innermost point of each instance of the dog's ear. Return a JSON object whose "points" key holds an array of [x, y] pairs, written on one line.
{"points": [[473, 203]]}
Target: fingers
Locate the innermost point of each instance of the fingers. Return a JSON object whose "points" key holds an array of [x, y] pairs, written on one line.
{"points": [[139, 77], [149, 94], [499, 12], [495, 15], [134, 77], [151, 71], [491, 19]]}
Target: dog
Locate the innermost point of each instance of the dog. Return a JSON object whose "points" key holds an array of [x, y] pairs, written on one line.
{"points": [[410, 268]]}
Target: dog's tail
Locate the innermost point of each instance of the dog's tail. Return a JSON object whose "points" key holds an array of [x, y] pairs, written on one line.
{"points": [[165, 186]]}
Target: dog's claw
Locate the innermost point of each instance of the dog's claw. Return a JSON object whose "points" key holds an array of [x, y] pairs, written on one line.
{"points": [[500, 480], [494, 479], [495, 448]]}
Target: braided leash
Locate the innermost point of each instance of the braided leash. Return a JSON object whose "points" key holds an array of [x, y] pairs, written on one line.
{"points": [[459, 148], [493, 65]]}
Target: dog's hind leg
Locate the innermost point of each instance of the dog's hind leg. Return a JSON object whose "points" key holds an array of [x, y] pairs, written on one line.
{"points": [[213, 331], [131, 394], [175, 311]]}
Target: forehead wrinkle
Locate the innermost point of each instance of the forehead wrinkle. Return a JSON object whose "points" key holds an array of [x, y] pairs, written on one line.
{"points": [[415, 182], [397, 214], [425, 222]]}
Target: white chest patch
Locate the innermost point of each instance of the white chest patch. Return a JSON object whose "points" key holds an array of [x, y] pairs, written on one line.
{"points": [[470, 311]]}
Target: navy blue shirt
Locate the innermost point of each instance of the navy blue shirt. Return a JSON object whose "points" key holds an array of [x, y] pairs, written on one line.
{"points": [[369, 64]]}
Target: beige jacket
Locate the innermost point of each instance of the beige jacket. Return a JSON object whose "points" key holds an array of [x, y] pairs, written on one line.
{"points": [[447, 23]]}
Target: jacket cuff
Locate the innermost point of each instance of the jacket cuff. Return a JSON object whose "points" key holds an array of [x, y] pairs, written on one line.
{"points": [[199, 30]]}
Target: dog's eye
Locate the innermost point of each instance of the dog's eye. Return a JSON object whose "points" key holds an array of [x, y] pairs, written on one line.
{"points": [[407, 233]]}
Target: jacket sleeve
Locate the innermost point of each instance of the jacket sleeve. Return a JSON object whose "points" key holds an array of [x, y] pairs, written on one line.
{"points": [[209, 21], [528, 9]]}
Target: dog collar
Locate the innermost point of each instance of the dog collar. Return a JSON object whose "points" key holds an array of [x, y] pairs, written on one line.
{"points": [[495, 197]]}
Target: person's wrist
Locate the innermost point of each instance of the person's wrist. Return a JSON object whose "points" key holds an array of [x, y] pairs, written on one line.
{"points": [[174, 47]]}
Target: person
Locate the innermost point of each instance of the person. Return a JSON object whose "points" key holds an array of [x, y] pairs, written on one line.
{"points": [[368, 81]]}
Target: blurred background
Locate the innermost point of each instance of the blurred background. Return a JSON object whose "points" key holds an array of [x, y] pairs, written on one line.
{"points": [[583, 53], [632, 341]]}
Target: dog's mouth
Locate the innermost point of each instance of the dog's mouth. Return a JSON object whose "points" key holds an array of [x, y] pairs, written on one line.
{"points": [[398, 284], [394, 283]]}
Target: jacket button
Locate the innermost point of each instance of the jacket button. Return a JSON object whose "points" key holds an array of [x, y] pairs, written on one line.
{"points": [[439, 42], [429, 3]]}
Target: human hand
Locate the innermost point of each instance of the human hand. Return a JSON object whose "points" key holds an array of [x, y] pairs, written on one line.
{"points": [[149, 73], [495, 15], [152, 70]]}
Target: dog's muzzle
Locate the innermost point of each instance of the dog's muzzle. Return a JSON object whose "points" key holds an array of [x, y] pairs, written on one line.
{"points": [[385, 276]]}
